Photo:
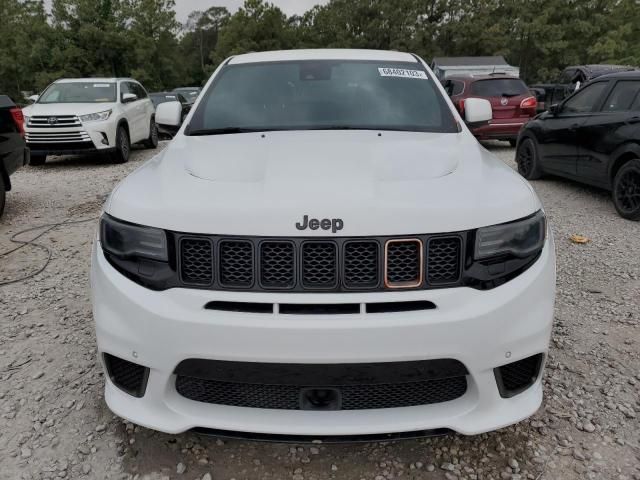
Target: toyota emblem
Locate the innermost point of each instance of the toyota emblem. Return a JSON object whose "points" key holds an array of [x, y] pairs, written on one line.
{"points": [[52, 120], [504, 101]]}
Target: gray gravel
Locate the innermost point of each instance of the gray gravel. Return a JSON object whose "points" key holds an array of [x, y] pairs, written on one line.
{"points": [[54, 423]]}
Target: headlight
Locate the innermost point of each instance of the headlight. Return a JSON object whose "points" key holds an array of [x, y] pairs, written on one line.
{"points": [[521, 238], [94, 117], [128, 241]]}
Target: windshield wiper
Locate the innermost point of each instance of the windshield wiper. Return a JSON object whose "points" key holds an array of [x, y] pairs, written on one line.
{"points": [[224, 131]]}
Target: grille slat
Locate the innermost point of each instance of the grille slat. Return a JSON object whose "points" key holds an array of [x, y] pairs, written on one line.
{"points": [[443, 260], [404, 263], [197, 261], [236, 263], [361, 264], [277, 265], [319, 265]]}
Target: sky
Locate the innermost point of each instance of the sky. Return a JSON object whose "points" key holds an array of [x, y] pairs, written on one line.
{"points": [[184, 7]]}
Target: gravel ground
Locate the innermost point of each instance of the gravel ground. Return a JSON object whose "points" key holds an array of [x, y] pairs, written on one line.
{"points": [[54, 422]]}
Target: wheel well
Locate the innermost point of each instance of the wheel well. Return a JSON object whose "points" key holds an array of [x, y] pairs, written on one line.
{"points": [[125, 124], [620, 161]]}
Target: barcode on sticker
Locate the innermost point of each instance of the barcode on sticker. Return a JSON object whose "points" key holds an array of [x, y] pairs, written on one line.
{"points": [[403, 73]]}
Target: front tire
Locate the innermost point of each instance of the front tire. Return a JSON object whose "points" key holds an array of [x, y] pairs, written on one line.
{"points": [[123, 146], [527, 159], [626, 190], [152, 141], [37, 160]]}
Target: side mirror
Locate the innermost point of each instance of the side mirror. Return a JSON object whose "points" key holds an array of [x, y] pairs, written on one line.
{"points": [[169, 114], [129, 97], [33, 98], [554, 109], [477, 110]]}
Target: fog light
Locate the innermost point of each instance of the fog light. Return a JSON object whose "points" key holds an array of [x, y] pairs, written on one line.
{"points": [[105, 139]]}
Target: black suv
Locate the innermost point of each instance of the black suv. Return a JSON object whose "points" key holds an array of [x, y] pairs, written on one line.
{"points": [[593, 137], [13, 152]]}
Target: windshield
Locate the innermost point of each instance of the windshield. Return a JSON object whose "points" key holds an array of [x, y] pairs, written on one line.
{"points": [[79, 92], [499, 87], [314, 95], [157, 99]]}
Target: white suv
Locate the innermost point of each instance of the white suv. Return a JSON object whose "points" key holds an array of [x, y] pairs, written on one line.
{"points": [[104, 115], [324, 249]]}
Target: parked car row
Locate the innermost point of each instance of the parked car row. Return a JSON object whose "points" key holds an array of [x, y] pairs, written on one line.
{"points": [[591, 136]]}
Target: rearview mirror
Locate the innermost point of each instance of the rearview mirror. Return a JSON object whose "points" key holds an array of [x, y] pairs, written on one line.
{"points": [[477, 110], [129, 97], [169, 114]]}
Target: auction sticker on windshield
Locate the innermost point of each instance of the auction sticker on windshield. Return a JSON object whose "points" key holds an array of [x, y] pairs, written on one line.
{"points": [[403, 73]]}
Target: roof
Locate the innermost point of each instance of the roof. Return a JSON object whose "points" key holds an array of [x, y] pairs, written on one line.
{"points": [[92, 79], [323, 54], [482, 76], [631, 74], [603, 67], [469, 61]]}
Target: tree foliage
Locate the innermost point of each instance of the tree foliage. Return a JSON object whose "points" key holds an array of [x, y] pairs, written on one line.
{"points": [[143, 39]]}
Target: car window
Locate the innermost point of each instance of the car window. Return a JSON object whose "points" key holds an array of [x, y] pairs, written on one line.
{"points": [[315, 95], [585, 100], [567, 75], [79, 92], [498, 87], [139, 90], [133, 88], [124, 88], [454, 87], [622, 96]]}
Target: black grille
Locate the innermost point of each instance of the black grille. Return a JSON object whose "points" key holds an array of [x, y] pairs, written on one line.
{"points": [[403, 262], [353, 397], [128, 376], [361, 265], [307, 264], [197, 261], [236, 263], [277, 265], [443, 260], [319, 265], [516, 377]]}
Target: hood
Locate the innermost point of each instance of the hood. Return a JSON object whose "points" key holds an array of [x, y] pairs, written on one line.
{"points": [[377, 184], [50, 109]]}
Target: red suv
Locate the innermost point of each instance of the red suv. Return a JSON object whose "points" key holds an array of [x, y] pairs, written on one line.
{"points": [[512, 103]]}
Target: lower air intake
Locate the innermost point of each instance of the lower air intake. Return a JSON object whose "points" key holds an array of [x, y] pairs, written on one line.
{"points": [[516, 377], [127, 376]]}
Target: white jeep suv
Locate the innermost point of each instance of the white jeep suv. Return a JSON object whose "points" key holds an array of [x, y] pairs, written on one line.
{"points": [[77, 116], [324, 249]]}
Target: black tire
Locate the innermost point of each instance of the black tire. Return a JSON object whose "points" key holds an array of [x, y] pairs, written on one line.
{"points": [[513, 142], [3, 194], [123, 146], [37, 160], [527, 159], [626, 190], [152, 141]]}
